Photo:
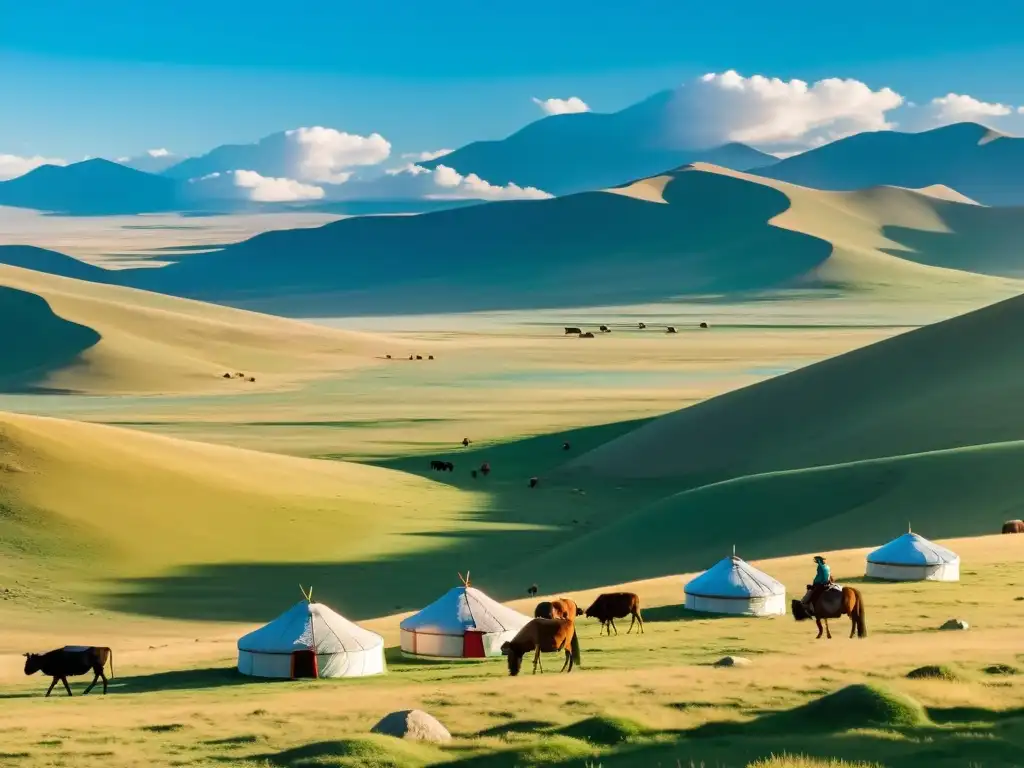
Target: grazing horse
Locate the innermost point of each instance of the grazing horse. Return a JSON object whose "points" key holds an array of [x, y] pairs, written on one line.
{"points": [[833, 603], [616, 605], [1013, 526], [543, 636], [71, 660]]}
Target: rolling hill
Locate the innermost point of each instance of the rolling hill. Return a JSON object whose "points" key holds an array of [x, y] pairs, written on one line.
{"points": [[955, 384], [979, 162], [84, 337], [580, 152], [91, 188], [698, 230]]}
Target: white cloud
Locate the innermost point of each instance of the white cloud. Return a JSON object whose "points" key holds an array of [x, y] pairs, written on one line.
{"points": [[415, 182], [422, 157], [719, 108], [323, 154], [250, 185], [13, 166], [958, 108], [568, 106], [158, 152]]}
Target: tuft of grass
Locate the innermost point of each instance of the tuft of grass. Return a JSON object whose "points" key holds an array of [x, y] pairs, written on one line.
{"points": [[163, 727], [604, 731], [1001, 669], [934, 672], [801, 761]]}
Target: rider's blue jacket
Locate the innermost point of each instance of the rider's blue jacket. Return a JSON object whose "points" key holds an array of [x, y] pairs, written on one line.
{"points": [[823, 575]]}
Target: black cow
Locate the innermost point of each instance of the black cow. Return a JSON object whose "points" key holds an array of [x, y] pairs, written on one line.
{"points": [[616, 605], [569, 330], [670, 329], [604, 329], [71, 660], [703, 325], [533, 482], [641, 326], [587, 335]]}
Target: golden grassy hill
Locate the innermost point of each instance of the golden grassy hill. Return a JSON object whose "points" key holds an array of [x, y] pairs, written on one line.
{"points": [[72, 335]]}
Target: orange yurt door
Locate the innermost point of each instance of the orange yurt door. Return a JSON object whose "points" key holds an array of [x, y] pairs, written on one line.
{"points": [[473, 645]]}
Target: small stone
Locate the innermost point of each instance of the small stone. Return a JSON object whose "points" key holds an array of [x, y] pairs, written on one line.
{"points": [[733, 661], [955, 624], [412, 724]]}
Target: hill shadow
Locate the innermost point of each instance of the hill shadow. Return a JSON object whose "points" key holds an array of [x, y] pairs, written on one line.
{"points": [[183, 680], [37, 341]]}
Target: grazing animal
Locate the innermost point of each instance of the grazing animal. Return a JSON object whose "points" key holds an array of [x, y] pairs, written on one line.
{"points": [[430, 357], [449, 466], [533, 482], [532, 591], [252, 378], [543, 636], [240, 375], [703, 325], [1013, 526], [569, 330], [565, 446], [605, 329], [419, 357], [389, 357], [465, 442], [485, 469], [71, 660], [616, 605], [411, 357], [562, 608], [587, 335], [670, 329], [641, 326], [227, 375], [442, 466], [832, 604]]}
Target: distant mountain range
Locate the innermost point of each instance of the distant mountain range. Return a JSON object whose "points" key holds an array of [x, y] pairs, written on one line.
{"points": [[701, 230], [979, 162]]}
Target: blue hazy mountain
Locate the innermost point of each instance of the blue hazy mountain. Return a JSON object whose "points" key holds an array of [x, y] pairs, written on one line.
{"points": [[91, 188], [979, 162], [562, 154]]}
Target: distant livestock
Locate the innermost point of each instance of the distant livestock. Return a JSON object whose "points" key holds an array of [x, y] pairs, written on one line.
{"points": [[641, 326], [703, 325], [419, 357], [442, 466], [533, 482], [485, 469], [532, 591], [227, 375], [670, 329], [430, 357], [616, 605], [569, 330], [562, 608], [389, 357], [252, 379], [587, 335], [1013, 526], [70, 661], [565, 446], [605, 329], [465, 442]]}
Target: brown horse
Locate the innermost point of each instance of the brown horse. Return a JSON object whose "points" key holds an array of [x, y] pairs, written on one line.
{"points": [[543, 635], [832, 604]]}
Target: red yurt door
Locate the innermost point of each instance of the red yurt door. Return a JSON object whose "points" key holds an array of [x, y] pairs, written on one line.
{"points": [[304, 664], [473, 645]]}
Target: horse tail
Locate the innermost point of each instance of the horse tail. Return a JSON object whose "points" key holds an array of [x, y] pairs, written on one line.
{"points": [[575, 648], [861, 619], [110, 651]]}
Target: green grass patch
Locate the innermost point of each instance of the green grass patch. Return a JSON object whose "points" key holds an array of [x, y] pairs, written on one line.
{"points": [[1001, 669], [934, 672], [799, 761], [372, 751], [604, 731]]}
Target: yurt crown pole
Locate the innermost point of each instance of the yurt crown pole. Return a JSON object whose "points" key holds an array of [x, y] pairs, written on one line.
{"points": [[312, 632]]}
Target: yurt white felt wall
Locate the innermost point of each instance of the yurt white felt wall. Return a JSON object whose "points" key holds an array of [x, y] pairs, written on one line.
{"points": [[286, 646], [464, 623], [734, 586], [913, 558]]}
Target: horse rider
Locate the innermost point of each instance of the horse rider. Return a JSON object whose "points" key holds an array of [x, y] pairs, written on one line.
{"points": [[822, 579]]}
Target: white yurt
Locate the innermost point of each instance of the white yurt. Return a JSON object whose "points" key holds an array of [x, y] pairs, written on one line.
{"points": [[463, 623], [734, 586], [311, 640], [913, 558]]}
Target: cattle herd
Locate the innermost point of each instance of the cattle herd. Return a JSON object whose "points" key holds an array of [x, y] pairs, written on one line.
{"points": [[572, 330]]}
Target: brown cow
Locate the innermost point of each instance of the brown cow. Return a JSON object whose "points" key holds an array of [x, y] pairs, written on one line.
{"points": [[543, 635], [562, 608], [616, 605], [1013, 526], [71, 660]]}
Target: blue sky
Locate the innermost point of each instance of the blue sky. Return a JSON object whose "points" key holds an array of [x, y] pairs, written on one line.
{"points": [[113, 77]]}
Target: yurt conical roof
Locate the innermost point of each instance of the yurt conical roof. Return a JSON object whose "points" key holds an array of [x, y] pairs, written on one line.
{"points": [[733, 577], [912, 549], [306, 623], [465, 608]]}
